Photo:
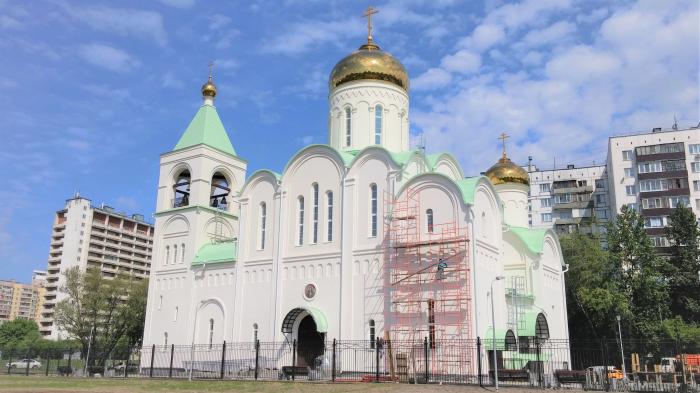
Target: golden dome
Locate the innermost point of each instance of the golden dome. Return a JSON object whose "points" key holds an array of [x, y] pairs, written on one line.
{"points": [[369, 62], [209, 88], [506, 171]]}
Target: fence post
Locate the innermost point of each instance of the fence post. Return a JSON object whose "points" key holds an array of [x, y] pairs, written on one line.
{"points": [[9, 363], [478, 358], [70, 356], [539, 364], [376, 365], [294, 359], [26, 369], [333, 363], [126, 367], [153, 354], [223, 359], [257, 357], [425, 353], [48, 360], [170, 368], [606, 380]]}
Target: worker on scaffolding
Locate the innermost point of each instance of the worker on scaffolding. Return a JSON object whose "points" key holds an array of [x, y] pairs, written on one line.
{"points": [[441, 266]]}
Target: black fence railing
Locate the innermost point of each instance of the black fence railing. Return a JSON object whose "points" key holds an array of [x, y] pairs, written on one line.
{"points": [[526, 362]]}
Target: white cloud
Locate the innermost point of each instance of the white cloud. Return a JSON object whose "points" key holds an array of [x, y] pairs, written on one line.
{"points": [[639, 69], [108, 57], [464, 61], [434, 78], [170, 80], [124, 22], [7, 22], [179, 3], [305, 35], [483, 37]]}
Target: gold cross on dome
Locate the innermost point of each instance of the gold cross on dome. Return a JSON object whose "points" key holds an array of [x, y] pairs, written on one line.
{"points": [[211, 67], [370, 11], [503, 138]]}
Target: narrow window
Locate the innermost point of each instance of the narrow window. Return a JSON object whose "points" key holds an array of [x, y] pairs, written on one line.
{"points": [[300, 239], [182, 250], [373, 209], [211, 332], [167, 255], [429, 218], [431, 323], [165, 339], [160, 302], [378, 125], [263, 223], [372, 334], [348, 126], [255, 332], [174, 254], [177, 310], [329, 233], [315, 213], [219, 192], [181, 189]]}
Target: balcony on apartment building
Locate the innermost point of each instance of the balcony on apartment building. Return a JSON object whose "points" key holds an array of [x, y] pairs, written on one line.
{"points": [[571, 187], [665, 151]]}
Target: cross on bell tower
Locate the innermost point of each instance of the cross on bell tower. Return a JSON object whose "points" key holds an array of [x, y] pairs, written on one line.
{"points": [[368, 14], [503, 138]]}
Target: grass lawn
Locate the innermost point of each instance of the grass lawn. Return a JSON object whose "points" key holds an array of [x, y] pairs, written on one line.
{"points": [[116, 385]]}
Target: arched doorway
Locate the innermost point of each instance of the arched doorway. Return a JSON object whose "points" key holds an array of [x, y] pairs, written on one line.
{"points": [[309, 342]]}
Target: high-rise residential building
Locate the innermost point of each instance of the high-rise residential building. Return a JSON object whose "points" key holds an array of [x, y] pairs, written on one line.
{"points": [[653, 172], [99, 237], [20, 301], [569, 200]]}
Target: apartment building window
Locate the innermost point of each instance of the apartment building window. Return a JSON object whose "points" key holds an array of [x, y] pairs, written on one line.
{"points": [[678, 200], [694, 148], [652, 203], [545, 202], [564, 214], [546, 217], [695, 166], [631, 190], [601, 199], [653, 185], [544, 187], [627, 155], [659, 241], [562, 198], [653, 222], [649, 167], [696, 185], [629, 172], [601, 213], [659, 149], [697, 204], [599, 183], [633, 206]]}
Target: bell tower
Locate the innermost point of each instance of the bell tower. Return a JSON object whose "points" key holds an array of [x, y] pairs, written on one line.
{"points": [[196, 217]]}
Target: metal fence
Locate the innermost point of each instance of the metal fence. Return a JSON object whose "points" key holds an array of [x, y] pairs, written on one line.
{"points": [[526, 362]]}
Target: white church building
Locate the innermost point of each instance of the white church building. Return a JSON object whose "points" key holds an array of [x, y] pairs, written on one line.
{"points": [[362, 238]]}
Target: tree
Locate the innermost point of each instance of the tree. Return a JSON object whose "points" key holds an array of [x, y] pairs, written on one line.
{"points": [[19, 333], [592, 299], [684, 264], [98, 311], [637, 272]]}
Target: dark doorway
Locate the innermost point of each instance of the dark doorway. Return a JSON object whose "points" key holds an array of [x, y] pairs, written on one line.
{"points": [[309, 342]]}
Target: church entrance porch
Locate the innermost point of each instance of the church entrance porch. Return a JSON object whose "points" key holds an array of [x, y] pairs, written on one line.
{"points": [[308, 327]]}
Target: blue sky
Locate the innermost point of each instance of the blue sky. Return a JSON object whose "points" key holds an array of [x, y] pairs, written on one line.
{"points": [[92, 92]]}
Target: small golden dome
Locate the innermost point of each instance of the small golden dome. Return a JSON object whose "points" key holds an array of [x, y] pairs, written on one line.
{"points": [[506, 171], [369, 62], [209, 88]]}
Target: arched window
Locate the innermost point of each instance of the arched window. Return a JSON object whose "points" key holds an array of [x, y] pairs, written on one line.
{"points": [[315, 214], [372, 334], [263, 224], [182, 250], [181, 189], [378, 125], [329, 231], [174, 254], [300, 214], [255, 332], [373, 210], [348, 126], [177, 311], [429, 219], [160, 302], [211, 332], [219, 192], [167, 255], [431, 323], [165, 339]]}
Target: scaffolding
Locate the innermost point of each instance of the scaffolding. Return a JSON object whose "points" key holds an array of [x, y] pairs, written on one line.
{"points": [[427, 283]]}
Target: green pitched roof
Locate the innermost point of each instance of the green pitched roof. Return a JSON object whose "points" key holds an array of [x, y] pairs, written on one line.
{"points": [[206, 128], [467, 187], [216, 253], [533, 238]]}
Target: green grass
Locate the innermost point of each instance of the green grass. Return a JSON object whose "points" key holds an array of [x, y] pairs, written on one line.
{"points": [[116, 385]]}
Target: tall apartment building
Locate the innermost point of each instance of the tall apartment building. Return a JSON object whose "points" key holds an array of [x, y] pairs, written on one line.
{"points": [[653, 172], [569, 200], [88, 236], [20, 301]]}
